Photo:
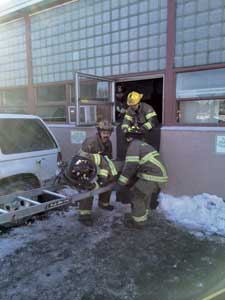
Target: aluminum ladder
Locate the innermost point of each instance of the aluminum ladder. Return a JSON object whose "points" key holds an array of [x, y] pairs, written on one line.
{"points": [[20, 205]]}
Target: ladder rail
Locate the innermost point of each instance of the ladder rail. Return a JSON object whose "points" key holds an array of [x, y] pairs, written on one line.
{"points": [[54, 194], [16, 215], [28, 194], [28, 200]]}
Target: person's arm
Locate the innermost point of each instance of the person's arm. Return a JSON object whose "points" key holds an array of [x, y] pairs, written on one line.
{"points": [[131, 165], [127, 122], [151, 119]]}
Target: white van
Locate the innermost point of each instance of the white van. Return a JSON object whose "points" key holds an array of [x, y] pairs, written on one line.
{"points": [[29, 153]]}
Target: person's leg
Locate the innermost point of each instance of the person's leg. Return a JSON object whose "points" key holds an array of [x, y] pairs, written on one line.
{"points": [[124, 196], [85, 210], [103, 201], [138, 208], [141, 195]]}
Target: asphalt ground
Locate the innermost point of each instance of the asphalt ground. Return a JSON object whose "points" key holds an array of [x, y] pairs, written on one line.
{"points": [[58, 258]]}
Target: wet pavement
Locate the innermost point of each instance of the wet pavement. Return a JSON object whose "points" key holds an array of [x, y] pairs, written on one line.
{"points": [[62, 259]]}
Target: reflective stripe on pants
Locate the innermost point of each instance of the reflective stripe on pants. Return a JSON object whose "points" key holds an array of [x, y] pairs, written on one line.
{"points": [[141, 193]]}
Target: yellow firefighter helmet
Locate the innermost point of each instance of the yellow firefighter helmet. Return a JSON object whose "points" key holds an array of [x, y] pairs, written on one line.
{"points": [[134, 98]]}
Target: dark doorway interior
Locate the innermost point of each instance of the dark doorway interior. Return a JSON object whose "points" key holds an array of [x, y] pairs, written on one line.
{"points": [[152, 89]]}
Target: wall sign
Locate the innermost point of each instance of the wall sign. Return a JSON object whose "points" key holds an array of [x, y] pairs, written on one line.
{"points": [[220, 144], [77, 137]]}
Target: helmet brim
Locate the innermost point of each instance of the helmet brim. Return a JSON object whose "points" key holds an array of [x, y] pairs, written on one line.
{"points": [[131, 102]]}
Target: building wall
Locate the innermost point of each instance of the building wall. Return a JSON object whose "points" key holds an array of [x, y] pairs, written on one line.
{"points": [[13, 64], [105, 38], [65, 134], [194, 166], [200, 32]]}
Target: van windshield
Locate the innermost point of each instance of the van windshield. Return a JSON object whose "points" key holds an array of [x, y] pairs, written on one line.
{"points": [[24, 135]]}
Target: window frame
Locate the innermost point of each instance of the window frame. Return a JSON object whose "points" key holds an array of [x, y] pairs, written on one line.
{"points": [[57, 103], [79, 102], [194, 99]]}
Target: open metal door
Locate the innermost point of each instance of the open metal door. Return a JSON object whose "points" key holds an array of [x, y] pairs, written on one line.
{"points": [[94, 99]]}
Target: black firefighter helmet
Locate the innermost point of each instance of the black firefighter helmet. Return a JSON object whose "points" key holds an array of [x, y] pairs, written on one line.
{"points": [[82, 173], [104, 125]]}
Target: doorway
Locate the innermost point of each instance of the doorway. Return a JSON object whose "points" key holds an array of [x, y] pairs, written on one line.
{"points": [[152, 90]]}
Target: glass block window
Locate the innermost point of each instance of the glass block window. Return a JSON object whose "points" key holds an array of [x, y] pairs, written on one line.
{"points": [[200, 32], [201, 97], [104, 38], [13, 54]]}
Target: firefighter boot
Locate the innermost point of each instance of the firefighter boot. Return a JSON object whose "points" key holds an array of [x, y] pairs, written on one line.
{"points": [[86, 220], [127, 216], [130, 223]]}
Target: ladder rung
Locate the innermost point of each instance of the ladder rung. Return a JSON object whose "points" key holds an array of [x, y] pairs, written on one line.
{"points": [[3, 211], [28, 200], [54, 194]]}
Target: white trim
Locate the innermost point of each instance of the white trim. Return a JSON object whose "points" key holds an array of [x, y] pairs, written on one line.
{"points": [[17, 116], [53, 7], [15, 7], [10, 22], [192, 128], [73, 126], [138, 77], [61, 125]]}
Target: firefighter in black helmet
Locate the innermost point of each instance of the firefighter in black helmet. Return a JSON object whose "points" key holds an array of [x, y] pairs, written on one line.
{"points": [[81, 172], [99, 144]]}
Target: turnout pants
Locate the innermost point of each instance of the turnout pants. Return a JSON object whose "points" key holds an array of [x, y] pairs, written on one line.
{"points": [[85, 206], [141, 194]]}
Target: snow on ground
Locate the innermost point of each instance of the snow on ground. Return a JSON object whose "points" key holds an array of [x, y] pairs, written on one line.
{"points": [[201, 214], [20, 236]]}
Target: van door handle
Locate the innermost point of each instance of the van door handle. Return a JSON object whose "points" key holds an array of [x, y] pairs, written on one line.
{"points": [[38, 162]]}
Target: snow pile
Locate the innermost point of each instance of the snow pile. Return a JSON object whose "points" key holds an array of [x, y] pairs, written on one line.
{"points": [[203, 213]]}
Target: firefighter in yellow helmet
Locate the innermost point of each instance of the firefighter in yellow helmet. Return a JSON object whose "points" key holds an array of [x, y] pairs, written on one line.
{"points": [[138, 114], [99, 144], [144, 172]]}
